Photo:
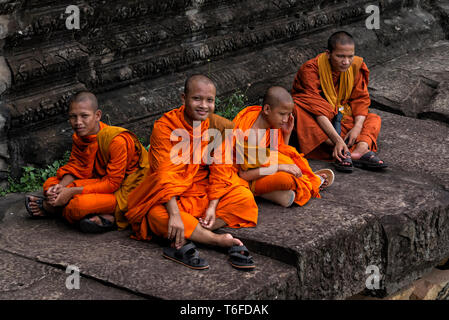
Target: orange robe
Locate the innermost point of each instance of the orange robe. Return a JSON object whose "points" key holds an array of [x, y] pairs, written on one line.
{"points": [[310, 102], [305, 187], [115, 158], [193, 183]]}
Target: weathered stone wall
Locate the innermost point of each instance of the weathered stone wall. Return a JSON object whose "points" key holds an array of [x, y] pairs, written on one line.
{"points": [[136, 54]]}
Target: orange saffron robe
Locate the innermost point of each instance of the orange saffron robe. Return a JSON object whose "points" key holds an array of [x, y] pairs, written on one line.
{"points": [[107, 161], [305, 187], [193, 184], [311, 102]]}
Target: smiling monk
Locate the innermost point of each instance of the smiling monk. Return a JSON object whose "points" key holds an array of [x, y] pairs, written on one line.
{"points": [[332, 103], [184, 198], [105, 164]]}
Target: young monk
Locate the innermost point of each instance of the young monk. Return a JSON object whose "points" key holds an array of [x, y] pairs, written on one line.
{"points": [[288, 178], [332, 100], [183, 201], [105, 164]]}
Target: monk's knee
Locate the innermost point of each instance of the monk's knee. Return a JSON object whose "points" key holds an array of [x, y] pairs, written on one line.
{"points": [[72, 212]]}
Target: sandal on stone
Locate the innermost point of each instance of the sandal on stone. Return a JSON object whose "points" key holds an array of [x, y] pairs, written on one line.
{"points": [[369, 161], [40, 205], [330, 177], [239, 260], [187, 256], [345, 165], [89, 226]]}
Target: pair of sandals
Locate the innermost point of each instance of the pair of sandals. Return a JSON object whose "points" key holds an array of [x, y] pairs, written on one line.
{"points": [[368, 161], [86, 225], [189, 257]]}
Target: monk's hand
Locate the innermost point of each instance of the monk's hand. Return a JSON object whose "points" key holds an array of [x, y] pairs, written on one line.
{"points": [[209, 218], [352, 135], [63, 197], [340, 150], [243, 174], [287, 127], [176, 230], [54, 190], [290, 168]]}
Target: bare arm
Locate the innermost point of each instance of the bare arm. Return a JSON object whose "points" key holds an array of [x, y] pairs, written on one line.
{"points": [[340, 147], [175, 224], [353, 134], [209, 216], [254, 174]]}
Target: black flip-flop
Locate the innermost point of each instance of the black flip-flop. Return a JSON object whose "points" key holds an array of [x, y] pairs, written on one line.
{"points": [[88, 226], [187, 256], [40, 204], [239, 260], [369, 161], [339, 166]]}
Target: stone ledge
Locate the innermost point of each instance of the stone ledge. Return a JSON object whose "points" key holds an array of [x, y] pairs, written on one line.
{"points": [[397, 220]]}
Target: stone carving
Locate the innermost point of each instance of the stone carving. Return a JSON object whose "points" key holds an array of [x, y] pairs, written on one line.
{"points": [[138, 47]]}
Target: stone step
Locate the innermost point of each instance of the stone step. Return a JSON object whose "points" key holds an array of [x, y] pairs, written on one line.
{"points": [[43, 66], [415, 84], [137, 267], [36, 109], [432, 286], [25, 279]]}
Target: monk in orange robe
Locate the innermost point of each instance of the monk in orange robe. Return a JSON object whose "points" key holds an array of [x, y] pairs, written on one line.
{"points": [[332, 108], [105, 164], [288, 178], [183, 198]]}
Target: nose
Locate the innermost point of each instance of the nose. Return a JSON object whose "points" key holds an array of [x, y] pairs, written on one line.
{"points": [[77, 121]]}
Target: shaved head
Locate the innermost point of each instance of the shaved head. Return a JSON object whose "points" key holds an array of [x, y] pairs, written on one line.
{"points": [[85, 96], [276, 96], [197, 78], [339, 37], [278, 106]]}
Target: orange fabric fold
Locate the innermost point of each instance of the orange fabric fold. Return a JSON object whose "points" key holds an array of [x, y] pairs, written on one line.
{"points": [[308, 184], [82, 205], [191, 180]]}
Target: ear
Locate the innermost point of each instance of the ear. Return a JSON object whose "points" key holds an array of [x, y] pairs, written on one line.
{"points": [[328, 53], [266, 108], [183, 98], [98, 114]]}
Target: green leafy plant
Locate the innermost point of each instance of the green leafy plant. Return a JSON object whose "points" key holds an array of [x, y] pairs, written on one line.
{"points": [[33, 178], [229, 106]]}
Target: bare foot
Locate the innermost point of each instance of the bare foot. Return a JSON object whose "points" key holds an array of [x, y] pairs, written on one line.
{"points": [[327, 177], [325, 182], [34, 207], [227, 240], [97, 219], [358, 155], [184, 241], [284, 198]]}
